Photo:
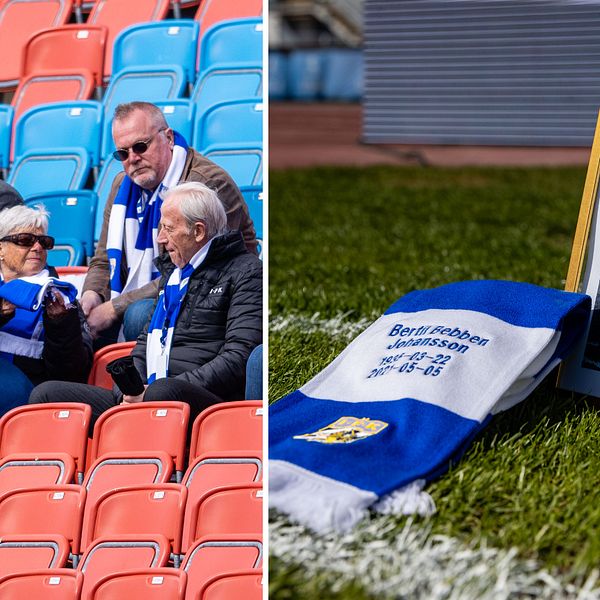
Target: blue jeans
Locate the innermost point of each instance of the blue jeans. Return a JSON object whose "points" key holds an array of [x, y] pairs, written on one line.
{"points": [[254, 374], [16, 386], [135, 318]]}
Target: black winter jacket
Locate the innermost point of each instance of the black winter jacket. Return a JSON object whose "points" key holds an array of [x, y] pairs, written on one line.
{"points": [[220, 321]]}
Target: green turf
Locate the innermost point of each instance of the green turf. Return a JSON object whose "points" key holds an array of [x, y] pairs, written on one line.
{"points": [[351, 241]]}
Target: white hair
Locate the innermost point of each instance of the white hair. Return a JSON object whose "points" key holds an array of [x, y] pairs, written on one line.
{"points": [[197, 202], [23, 218]]}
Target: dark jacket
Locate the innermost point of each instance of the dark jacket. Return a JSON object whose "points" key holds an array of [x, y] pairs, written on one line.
{"points": [[196, 168], [220, 321], [67, 353]]}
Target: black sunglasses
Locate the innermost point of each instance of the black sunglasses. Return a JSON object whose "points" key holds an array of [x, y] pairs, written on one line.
{"points": [[28, 240], [140, 147]]}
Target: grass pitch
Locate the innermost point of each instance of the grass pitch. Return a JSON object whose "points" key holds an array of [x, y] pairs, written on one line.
{"points": [[343, 245]]}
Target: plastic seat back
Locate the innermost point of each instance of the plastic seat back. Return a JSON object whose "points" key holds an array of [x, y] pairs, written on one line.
{"points": [[98, 375], [35, 470], [116, 15], [228, 426], [150, 83], [67, 252], [215, 11], [242, 161], [115, 470], [158, 43], [110, 555], [223, 83], [49, 584], [253, 195], [18, 21], [44, 511], [243, 584], [148, 584], [38, 172], [19, 553], [108, 172], [213, 556], [233, 41], [6, 127], [234, 122], [143, 426], [224, 510], [210, 472], [58, 124], [134, 510], [79, 46], [53, 427], [72, 213]]}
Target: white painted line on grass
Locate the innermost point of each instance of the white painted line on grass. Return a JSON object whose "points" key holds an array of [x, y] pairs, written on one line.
{"points": [[337, 326]]}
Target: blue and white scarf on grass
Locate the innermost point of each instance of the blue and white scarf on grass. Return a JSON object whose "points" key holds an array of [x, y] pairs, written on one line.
{"points": [[23, 335], [163, 321], [409, 394], [137, 238]]}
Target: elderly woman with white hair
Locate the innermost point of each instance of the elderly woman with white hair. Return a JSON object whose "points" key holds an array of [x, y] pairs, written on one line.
{"points": [[48, 340]]}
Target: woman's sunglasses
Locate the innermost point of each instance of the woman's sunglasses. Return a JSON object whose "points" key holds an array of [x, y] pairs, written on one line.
{"points": [[28, 240], [140, 147]]}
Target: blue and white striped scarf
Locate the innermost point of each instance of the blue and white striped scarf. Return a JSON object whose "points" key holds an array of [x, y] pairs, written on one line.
{"points": [[164, 319], [408, 395], [138, 239], [23, 335]]}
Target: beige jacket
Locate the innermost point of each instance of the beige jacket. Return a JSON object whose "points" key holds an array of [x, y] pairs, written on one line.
{"points": [[196, 168]]}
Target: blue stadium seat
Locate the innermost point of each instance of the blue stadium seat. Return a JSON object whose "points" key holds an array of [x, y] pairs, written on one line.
{"points": [[342, 74], [6, 122], [229, 123], [38, 172], [72, 214], [304, 74], [227, 82], [253, 195], [67, 252], [158, 43], [233, 41], [242, 161], [57, 124], [109, 170], [277, 75]]}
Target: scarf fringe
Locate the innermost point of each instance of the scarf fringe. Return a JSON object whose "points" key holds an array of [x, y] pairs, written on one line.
{"points": [[408, 500]]}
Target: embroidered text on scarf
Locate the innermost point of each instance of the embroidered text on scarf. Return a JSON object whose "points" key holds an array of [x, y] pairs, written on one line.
{"points": [[408, 395], [138, 240]]}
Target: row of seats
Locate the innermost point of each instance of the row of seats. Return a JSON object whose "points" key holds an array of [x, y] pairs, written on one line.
{"points": [[19, 21]]}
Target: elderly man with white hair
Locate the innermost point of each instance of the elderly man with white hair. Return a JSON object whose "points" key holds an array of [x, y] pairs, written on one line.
{"points": [[207, 319]]}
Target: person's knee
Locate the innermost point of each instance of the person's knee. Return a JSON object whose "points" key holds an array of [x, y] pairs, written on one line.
{"points": [[49, 391], [160, 390], [135, 318]]}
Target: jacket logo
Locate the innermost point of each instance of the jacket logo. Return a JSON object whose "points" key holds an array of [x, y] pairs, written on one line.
{"points": [[216, 290], [344, 431]]}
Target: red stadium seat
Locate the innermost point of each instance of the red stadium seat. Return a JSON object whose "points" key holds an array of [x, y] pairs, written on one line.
{"points": [[67, 47], [228, 426], [133, 510], [243, 584], [115, 15], [148, 584], [98, 375], [19, 553], [143, 426], [49, 584], [44, 511], [215, 11], [54, 427], [18, 21], [212, 556], [110, 555], [35, 470]]}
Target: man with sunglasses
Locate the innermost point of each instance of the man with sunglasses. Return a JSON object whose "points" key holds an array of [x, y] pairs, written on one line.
{"points": [[121, 284]]}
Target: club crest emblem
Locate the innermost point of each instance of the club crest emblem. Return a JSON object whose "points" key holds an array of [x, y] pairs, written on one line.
{"points": [[344, 431]]}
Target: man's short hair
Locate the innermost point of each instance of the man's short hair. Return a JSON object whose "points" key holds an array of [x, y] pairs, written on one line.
{"points": [[197, 202], [122, 111]]}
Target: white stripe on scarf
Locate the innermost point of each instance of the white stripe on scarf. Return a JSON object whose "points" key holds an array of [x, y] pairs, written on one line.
{"points": [[157, 349], [123, 232]]}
